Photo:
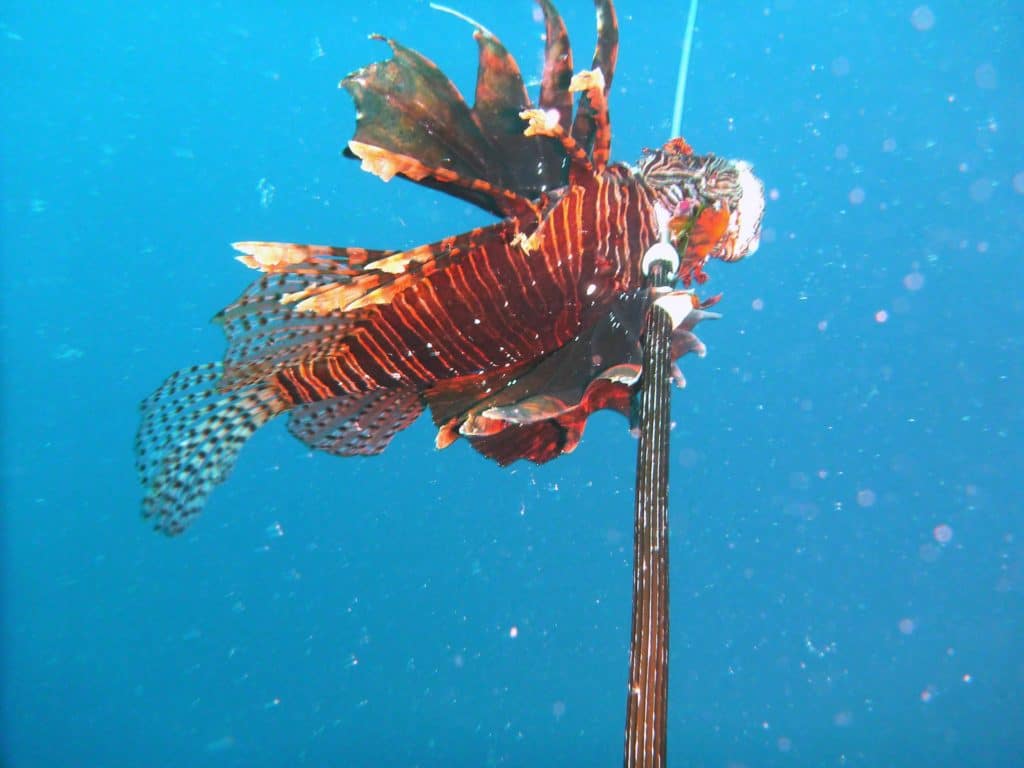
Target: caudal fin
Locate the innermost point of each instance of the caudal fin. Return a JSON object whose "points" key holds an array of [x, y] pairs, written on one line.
{"points": [[190, 437]]}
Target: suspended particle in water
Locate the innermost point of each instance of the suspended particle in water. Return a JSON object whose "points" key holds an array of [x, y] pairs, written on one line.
{"points": [[266, 191], [318, 50], [943, 534]]}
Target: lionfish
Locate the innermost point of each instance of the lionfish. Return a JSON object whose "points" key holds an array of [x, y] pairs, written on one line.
{"points": [[511, 334]]}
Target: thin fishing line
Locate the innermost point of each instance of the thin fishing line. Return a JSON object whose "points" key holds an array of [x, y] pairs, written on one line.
{"points": [[684, 68], [460, 15]]}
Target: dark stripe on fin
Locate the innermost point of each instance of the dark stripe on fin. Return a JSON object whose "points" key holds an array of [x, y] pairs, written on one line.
{"points": [[355, 425]]}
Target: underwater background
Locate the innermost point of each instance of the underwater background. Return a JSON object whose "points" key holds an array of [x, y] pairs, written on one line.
{"points": [[847, 540]]}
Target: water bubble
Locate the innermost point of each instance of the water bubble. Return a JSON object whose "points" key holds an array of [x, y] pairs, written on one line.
{"points": [[223, 744], [913, 281], [981, 190], [866, 497], [929, 553], [986, 77], [922, 18]]}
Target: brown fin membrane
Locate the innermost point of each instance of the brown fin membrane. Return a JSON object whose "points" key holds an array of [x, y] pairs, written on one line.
{"points": [[533, 165], [406, 106], [398, 98], [590, 128]]}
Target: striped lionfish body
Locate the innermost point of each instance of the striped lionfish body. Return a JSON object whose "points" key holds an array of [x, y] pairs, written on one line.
{"points": [[511, 334]]}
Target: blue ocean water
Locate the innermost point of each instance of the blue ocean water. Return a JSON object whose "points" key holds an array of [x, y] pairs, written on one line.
{"points": [[847, 544]]}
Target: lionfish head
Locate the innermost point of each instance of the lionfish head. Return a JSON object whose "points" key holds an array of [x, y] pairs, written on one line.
{"points": [[685, 183]]}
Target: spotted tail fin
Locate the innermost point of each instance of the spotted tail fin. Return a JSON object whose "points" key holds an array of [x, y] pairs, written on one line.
{"points": [[190, 437]]}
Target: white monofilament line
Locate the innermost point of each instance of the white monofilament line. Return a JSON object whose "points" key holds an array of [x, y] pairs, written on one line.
{"points": [[460, 15], [684, 66]]}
